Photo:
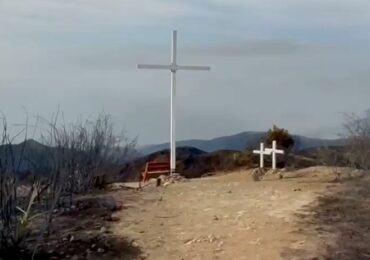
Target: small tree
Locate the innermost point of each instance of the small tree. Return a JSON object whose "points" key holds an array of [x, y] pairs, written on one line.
{"points": [[283, 140], [281, 136], [358, 136]]}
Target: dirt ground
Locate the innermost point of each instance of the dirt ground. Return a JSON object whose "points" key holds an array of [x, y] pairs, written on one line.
{"points": [[233, 217], [314, 213]]}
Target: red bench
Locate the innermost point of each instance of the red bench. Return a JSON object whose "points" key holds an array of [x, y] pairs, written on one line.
{"points": [[155, 169]]}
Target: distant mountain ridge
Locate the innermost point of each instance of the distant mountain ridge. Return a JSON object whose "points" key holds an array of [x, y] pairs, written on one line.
{"points": [[240, 142]]}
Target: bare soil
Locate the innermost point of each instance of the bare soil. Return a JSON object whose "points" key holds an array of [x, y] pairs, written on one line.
{"points": [[314, 213]]}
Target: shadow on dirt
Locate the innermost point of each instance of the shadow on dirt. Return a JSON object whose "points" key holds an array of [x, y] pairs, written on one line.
{"points": [[339, 221]]}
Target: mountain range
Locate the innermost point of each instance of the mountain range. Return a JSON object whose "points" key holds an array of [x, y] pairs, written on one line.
{"points": [[239, 142]]}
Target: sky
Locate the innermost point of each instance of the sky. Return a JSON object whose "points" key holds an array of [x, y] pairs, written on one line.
{"points": [[297, 64]]}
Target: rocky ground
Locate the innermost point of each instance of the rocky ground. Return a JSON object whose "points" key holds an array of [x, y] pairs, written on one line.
{"points": [[314, 213]]}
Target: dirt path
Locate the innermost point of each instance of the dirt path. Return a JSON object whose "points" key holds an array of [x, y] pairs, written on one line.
{"points": [[223, 217]]}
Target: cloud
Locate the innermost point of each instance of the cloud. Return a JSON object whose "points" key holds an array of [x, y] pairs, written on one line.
{"points": [[124, 12], [313, 12]]}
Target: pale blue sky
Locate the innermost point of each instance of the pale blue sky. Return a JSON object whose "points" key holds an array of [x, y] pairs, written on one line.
{"points": [[298, 64]]}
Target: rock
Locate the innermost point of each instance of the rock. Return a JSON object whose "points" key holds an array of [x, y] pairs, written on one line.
{"points": [[100, 250], [190, 241], [93, 246], [103, 230], [257, 174], [70, 237], [215, 218], [219, 246], [167, 183], [112, 218], [112, 204]]}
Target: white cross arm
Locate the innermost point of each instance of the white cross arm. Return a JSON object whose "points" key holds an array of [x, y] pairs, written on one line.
{"points": [[181, 67], [276, 151], [263, 152], [154, 67]]}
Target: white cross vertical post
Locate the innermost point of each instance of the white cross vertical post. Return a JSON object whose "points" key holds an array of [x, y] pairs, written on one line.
{"points": [[262, 153], [274, 151], [173, 67]]}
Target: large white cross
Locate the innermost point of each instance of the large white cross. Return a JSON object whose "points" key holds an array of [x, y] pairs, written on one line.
{"points": [[274, 151], [262, 152], [173, 67]]}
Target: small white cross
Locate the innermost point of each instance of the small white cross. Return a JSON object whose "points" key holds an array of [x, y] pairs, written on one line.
{"points": [[273, 152], [261, 152]]}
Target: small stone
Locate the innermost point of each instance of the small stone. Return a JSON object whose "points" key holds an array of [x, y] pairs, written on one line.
{"points": [[190, 241], [112, 218], [166, 184], [101, 250], [103, 229], [215, 218], [70, 238], [93, 246]]}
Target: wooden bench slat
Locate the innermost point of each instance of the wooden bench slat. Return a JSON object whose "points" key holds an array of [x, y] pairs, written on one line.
{"points": [[155, 169]]}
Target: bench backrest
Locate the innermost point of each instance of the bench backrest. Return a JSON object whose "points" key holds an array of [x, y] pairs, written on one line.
{"points": [[157, 166]]}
